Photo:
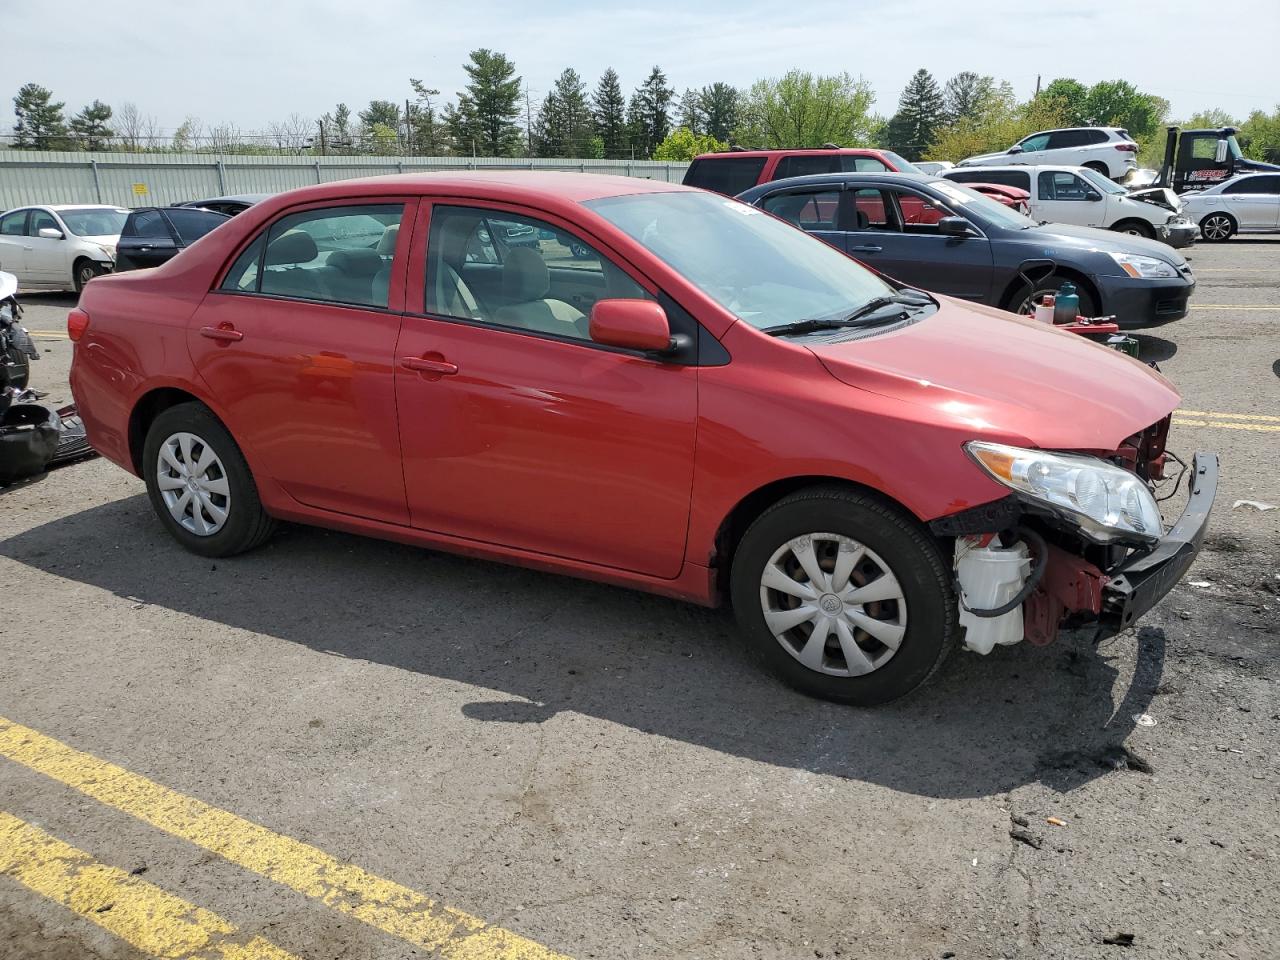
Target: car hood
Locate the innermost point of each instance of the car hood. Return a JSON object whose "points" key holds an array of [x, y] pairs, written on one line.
{"points": [[1069, 236], [1006, 378]]}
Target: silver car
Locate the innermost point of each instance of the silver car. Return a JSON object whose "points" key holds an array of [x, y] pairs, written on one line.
{"points": [[60, 246], [1249, 203]]}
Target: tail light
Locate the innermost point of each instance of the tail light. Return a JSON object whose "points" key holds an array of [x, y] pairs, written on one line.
{"points": [[77, 324], [1127, 147]]}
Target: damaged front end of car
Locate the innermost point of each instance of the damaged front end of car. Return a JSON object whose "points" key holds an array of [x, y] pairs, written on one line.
{"points": [[1079, 542]]}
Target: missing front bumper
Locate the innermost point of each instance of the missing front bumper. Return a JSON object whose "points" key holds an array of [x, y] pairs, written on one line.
{"points": [[1139, 583]]}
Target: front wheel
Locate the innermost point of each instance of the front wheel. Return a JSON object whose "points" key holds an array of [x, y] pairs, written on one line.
{"points": [[843, 597], [1136, 228], [200, 485], [1217, 227], [1022, 302], [83, 272]]}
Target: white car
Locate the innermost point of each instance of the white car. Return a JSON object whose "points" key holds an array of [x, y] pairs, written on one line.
{"points": [[1108, 150], [61, 246], [1249, 203], [1086, 198]]}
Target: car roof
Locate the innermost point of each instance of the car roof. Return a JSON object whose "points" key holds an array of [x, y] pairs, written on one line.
{"points": [[77, 206], [773, 152], [508, 185], [979, 168], [249, 198], [818, 179]]}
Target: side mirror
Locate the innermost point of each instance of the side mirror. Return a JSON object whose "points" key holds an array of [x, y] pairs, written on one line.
{"points": [[1014, 149], [49, 233], [630, 324], [1093, 196], [1220, 153], [954, 227]]}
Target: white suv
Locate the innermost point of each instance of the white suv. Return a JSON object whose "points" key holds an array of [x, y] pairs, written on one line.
{"points": [[60, 246], [1108, 150]]}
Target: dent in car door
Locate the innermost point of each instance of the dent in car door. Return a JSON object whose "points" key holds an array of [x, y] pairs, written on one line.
{"points": [[545, 443]]}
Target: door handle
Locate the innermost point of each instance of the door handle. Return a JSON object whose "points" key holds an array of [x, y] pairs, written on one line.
{"points": [[223, 331], [441, 367], [865, 249]]}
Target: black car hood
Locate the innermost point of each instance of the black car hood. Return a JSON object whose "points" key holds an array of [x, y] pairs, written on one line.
{"points": [[1065, 236]]}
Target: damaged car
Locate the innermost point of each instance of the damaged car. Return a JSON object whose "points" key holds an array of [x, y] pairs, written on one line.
{"points": [[709, 405]]}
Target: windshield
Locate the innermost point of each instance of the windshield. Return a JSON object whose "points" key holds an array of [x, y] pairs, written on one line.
{"points": [[994, 212], [901, 164], [1100, 182], [94, 221], [763, 271]]}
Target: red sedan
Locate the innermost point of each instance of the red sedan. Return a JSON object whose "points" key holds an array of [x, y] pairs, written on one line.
{"points": [[710, 404]]}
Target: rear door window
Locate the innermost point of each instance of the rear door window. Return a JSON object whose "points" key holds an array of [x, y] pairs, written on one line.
{"points": [[728, 175], [1254, 185], [13, 224], [193, 224], [807, 209], [148, 224]]}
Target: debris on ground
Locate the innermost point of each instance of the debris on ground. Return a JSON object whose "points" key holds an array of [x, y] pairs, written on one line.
{"points": [[1026, 836], [1055, 821], [1122, 939], [1253, 505]]}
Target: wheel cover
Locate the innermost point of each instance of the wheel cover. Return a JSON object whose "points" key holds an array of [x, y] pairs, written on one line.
{"points": [[833, 604], [193, 484], [1216, 227], [86, 274]]}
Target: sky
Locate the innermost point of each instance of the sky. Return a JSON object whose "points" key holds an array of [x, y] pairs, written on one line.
{"points": [[251, 62]]}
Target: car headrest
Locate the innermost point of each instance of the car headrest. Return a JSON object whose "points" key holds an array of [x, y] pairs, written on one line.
{"points": [[525, 276], [289, 248], [863, 220], [387, 245], [355, 263]]}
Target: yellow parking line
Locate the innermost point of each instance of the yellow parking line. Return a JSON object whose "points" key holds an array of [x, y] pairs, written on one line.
{"points": [[381, 903], [1178, 421], [143, 915], [54, 334], [1226, 416], [1229, 306]]}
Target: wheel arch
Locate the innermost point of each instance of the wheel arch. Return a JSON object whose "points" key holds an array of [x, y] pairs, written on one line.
{"points": [[1146, 225], [1081, 280], [735, 523], [149, 406]]}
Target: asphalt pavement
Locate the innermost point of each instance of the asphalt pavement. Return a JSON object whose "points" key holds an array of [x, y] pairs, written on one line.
{"points": [[339, 747]]}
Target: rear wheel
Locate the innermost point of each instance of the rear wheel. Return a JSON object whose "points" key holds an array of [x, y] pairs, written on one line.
{"points": [[843, 597], [1135, 228], [200, 485], [1099, 167], [1217, 227]]}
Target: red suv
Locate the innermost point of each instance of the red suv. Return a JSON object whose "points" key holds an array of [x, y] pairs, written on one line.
{"points": [[736, 170], [709, 404]]}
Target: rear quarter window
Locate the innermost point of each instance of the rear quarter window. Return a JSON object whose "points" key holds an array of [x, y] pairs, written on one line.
{"points": [[728, 175]]}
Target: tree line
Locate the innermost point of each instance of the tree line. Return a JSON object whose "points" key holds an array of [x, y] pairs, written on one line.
{"points": [[495, 116]]}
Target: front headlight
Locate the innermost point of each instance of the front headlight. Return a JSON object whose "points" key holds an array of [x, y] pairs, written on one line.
{"points": [[1137, 266], [108, 249], [1107, 502]]}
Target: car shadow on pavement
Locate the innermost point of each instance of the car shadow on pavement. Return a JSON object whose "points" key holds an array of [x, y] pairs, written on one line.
{"points": [[545, 644], [1153, 349]]}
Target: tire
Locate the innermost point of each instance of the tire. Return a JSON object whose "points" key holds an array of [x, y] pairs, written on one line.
{"points": [[852, 665], [1135, 228], [1097, 166], [1021, 300], [1218, 227], [186, 432], [82, 272]]}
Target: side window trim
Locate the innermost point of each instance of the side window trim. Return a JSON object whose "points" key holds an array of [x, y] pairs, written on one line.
{"points": [[408, 217]]}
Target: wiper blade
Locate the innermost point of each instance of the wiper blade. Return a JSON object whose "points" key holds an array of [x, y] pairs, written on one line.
{"points": [[858, 318]]}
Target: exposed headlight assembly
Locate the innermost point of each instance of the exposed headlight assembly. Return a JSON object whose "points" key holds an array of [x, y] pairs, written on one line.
{"points": [[1107, 503], [1151, 268]]}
